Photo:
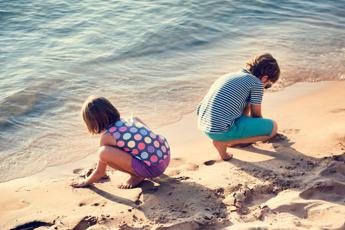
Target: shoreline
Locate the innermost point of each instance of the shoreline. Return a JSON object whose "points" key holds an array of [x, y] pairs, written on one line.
{"points": [[294, 91], [195, 167]]}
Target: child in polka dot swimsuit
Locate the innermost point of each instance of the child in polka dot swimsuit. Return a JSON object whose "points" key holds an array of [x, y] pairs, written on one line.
{"points": [[128, 146]]}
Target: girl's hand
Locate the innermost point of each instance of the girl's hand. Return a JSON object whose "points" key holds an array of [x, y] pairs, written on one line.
{"points": [[79, 184]]}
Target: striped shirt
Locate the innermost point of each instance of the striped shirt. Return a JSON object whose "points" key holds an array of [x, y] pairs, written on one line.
{"points": [[226, 100]]}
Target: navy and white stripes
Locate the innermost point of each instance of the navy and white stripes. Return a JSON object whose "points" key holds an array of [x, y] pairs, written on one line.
{"points": [[226, 100]]}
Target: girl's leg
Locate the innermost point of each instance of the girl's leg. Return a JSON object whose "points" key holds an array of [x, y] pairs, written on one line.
{"points": [[122, 161]]}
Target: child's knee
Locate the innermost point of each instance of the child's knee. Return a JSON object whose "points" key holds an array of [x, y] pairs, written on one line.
{"points": [[275, 129], [215, 143]]}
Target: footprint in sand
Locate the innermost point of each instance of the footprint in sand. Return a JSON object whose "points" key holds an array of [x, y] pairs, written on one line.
{"points": [[77, 171], [290, 131], [173, 172], [335, 170], [298, 209], [330, 190], [94, 201], [175, 162], [190, 167], [16, 204], [209, 163]]}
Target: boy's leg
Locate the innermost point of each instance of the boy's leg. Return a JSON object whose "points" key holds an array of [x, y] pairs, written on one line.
{"points": [[122, 161], [221, 146], [254, 139]]}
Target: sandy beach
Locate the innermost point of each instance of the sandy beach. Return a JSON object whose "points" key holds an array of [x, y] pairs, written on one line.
{"points": [[295, 181]]}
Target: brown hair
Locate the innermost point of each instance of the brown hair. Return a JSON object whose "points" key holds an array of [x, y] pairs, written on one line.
{"points": [[98, 113], [264, 64]]}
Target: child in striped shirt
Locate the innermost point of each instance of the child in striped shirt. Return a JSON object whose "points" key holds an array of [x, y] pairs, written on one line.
{"points": [[230, 113]]}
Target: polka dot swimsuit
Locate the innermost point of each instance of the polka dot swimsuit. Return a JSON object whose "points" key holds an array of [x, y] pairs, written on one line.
{"points": [[139, 141]]}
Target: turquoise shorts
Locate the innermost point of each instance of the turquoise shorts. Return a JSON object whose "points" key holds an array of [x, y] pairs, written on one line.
{"points": [[244, 127]]}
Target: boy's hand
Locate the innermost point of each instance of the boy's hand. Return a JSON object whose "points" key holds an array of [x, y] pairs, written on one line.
{"points": [[79, 183]]}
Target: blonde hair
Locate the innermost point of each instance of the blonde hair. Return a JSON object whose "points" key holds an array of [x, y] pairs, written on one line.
{"points": [[98, 114], [264, 64]]}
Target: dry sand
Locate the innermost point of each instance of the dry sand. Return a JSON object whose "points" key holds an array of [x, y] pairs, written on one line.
{"points": [[295, 181]]}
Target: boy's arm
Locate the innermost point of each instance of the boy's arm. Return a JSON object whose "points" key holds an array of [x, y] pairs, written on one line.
{"points": [[255, 110], [246, 110]]}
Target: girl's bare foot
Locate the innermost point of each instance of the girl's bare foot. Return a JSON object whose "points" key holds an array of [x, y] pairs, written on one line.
{"points": [[132, 182]]}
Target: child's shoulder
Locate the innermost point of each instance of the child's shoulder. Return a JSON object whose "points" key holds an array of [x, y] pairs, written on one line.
{"points": [[107, 138]]}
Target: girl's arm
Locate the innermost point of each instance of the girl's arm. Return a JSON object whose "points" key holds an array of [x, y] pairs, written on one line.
{"points": [[95, 176], [99, 172]]}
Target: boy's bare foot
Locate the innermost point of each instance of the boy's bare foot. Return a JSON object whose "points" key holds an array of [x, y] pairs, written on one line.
{"points": [[221, 148], [226, 156], [240, 145], [132, 182]]}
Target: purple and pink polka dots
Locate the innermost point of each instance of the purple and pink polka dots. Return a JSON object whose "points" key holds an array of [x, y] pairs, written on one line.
{"points": [[160, 139], [156, 144], [117, 135], [133, 130], [120, 144], [123, 129], [112, 129], [139, 141], [131, 144], [137, 137], [164, 149], [148, 140], [141, 146], [151, 149], [127, 136], [154, 158], [143, 132], [144, 155]]}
